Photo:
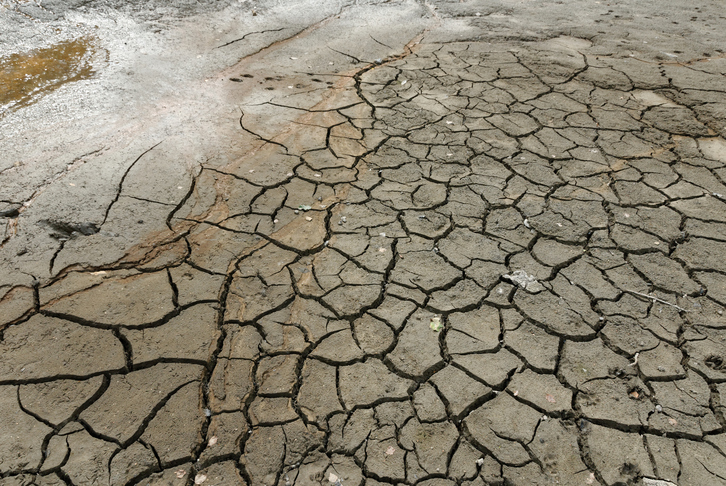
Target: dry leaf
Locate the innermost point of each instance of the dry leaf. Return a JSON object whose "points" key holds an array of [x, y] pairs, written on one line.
{"points": [[180, 473], [390, 450]]}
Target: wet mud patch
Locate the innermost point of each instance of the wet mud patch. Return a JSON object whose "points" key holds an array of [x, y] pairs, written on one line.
{"points": [[28, 76]]}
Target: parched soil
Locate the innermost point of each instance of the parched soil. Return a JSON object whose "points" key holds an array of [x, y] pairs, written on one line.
{"points": [[466, 263]]}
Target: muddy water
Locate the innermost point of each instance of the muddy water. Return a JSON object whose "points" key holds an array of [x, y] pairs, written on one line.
{"points": [[26, 77]]}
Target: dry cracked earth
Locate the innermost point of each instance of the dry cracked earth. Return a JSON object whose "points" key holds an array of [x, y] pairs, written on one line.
{"points": [[468, 264]]}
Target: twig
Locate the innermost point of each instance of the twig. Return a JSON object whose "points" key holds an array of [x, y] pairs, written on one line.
{"points": [[657, 300]]}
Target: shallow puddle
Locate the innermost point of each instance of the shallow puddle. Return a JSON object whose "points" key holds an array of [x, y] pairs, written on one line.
{"points": [[26, 77]]}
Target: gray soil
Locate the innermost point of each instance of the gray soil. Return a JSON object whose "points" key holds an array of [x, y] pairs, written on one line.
{"points": [[363, 243]]}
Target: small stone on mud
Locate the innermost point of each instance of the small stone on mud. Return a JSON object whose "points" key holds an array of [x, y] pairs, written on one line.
{"points": [[524, 281], [180, 473], [200, 478], [390, 451]]}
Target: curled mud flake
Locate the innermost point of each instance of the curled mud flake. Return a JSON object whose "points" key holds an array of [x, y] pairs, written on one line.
{"points": [[524, 281]]}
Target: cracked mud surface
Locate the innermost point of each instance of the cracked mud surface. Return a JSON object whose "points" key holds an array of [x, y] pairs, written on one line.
{"points": [[274, 319]]}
